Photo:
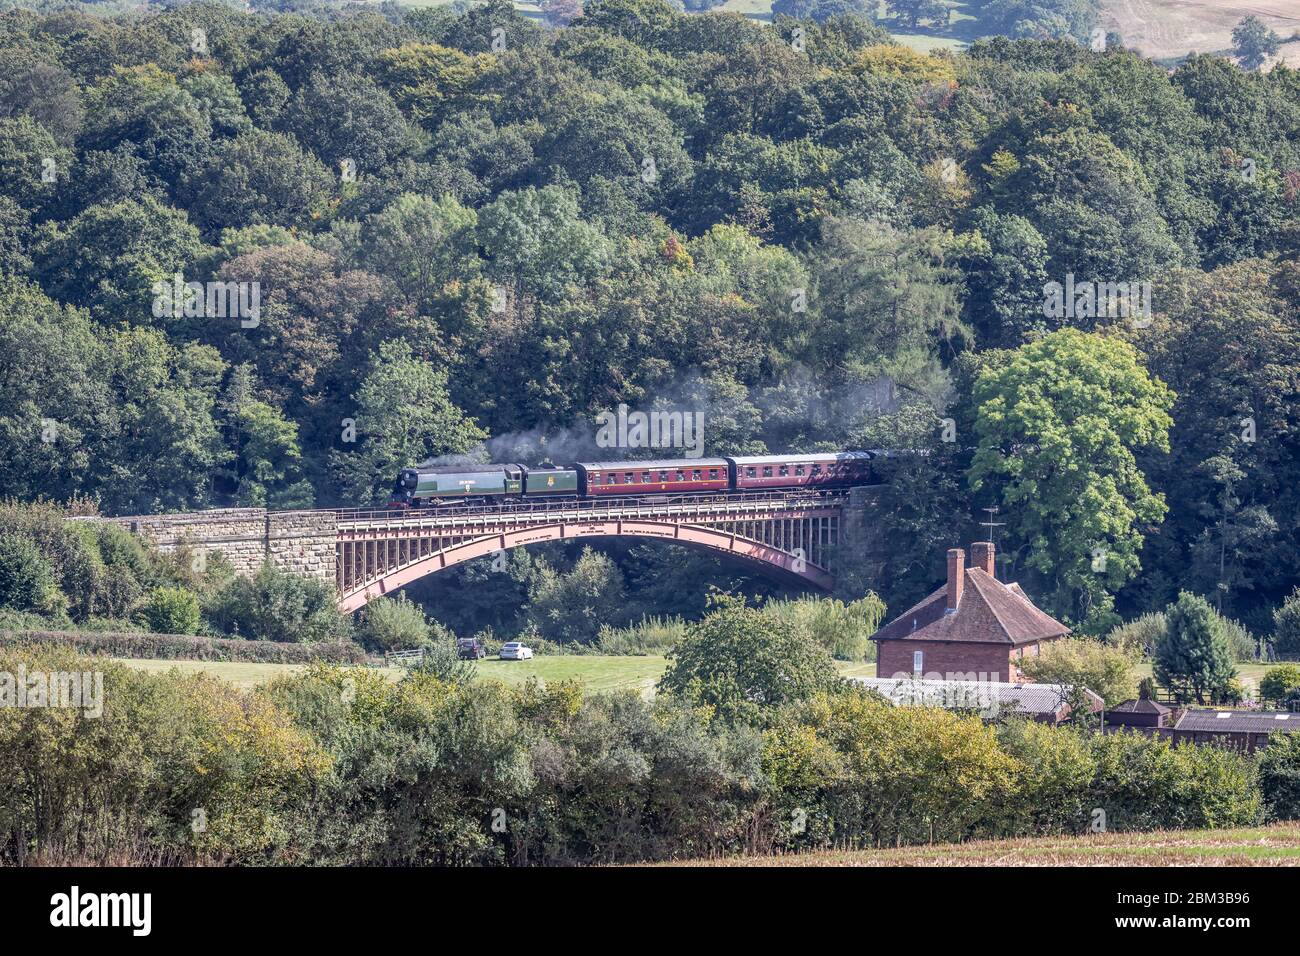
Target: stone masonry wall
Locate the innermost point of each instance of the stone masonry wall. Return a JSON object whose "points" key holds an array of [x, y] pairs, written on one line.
{"points": [[305, 542], [299, 541]]}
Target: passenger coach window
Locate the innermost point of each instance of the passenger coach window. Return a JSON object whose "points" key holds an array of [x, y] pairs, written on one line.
{"points": [[611, 479], [767, 471], [785, 471], [645, 477], [798, 471], [695, 474], [663, 476], [713, 473], [817, 469], [681, 476], [628, 478], [751, 472]]}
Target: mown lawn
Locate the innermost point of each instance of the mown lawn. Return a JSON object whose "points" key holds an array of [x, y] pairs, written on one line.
{"points": [[239, 673], [596, 673], [1277, 845]]}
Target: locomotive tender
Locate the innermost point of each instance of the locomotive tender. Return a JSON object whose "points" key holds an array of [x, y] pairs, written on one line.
{"points": [[429, 487]]}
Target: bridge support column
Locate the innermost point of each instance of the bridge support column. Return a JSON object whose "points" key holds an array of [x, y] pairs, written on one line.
{"points": [[304, 542]]}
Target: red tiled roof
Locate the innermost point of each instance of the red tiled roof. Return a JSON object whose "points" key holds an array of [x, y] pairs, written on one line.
{"points": [[989, 612]]}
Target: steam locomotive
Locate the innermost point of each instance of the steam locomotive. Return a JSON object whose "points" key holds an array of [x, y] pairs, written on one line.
{"points": [[430, 487]]}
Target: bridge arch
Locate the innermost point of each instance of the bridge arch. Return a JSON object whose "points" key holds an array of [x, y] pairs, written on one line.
{"points": [[792, 566]]}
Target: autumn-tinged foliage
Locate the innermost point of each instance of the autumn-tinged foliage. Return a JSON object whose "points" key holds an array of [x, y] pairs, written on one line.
{"points": [[462, 224]]}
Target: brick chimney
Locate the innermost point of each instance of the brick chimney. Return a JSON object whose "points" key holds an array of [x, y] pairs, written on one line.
{"points": [[981, 556], [956, 576]]}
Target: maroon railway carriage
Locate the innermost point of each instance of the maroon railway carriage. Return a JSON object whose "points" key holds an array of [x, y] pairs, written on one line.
{"points": [[599, 478], [814, 470]]}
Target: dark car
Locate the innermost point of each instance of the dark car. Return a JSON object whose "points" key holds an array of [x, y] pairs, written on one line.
{"points": [[471, 649]]}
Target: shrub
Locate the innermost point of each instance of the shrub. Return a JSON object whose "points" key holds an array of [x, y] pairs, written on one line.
{"points": [[1079, 663], [1140, 635], [571, 607], [850, 768], [1279, 681], [441, 660], [1279, 776], [650, 635], [436, 756], [389, 624], [843, 629], [1240, 641], [181, 647], [26, 578], [275, 605], [619, 779], [131, 781], [1231, 694], [745, 664], [170, 611], [1054, 775], [1146, 783], [101, 568]]}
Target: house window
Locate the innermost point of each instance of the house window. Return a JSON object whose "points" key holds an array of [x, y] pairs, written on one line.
{"points": [[918, 662]]}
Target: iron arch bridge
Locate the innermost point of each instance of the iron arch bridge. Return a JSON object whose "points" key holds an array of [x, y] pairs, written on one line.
{"points": [[792, 535]]}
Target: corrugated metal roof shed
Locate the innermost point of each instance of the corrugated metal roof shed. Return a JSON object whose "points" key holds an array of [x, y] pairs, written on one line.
{"points": [[1238, 721], [1001, 697]]}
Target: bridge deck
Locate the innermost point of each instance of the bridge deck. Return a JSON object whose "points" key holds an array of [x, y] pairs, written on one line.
{"points": [[379, 550]]}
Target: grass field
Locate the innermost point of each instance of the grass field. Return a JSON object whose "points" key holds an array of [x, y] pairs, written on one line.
{"points": [[595, 672], [1277, 845], [1160, 29], [1173, 28]]}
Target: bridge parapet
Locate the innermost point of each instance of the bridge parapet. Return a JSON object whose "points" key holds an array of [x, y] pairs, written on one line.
{"points": [[304, 542]]}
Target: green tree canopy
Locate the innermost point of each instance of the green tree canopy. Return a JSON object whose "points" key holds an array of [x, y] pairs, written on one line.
{"points": [[1058, 423]]}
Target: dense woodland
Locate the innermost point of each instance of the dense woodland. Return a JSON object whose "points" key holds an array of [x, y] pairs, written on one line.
{"points": [[471, 234]]}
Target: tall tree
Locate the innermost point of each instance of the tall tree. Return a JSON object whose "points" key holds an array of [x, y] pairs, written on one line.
{"points": [[1058, 425], [1193, 658], [403, 417]]}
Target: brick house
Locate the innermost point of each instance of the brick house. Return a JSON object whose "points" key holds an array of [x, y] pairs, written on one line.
{"points": [[973, 628]]}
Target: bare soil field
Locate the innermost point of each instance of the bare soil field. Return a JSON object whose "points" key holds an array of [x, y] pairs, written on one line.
{"points": [[1171, 28], [1276, 845]]}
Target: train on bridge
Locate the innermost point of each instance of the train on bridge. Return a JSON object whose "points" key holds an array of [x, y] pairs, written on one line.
{"points": [[428, 487]]}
